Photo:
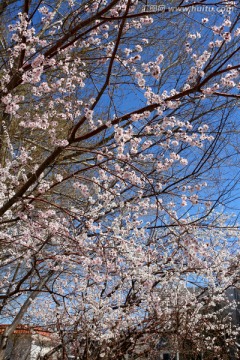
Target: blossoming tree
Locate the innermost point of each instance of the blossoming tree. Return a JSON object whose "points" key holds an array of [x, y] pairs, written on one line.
{"points": [[116, 121]]}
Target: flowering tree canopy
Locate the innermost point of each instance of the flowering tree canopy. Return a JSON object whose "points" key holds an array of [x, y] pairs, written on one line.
{"points": [[117, 136]]}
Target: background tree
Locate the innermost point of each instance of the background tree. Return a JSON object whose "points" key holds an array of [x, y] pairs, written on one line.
{"points": [[118, 131]]}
